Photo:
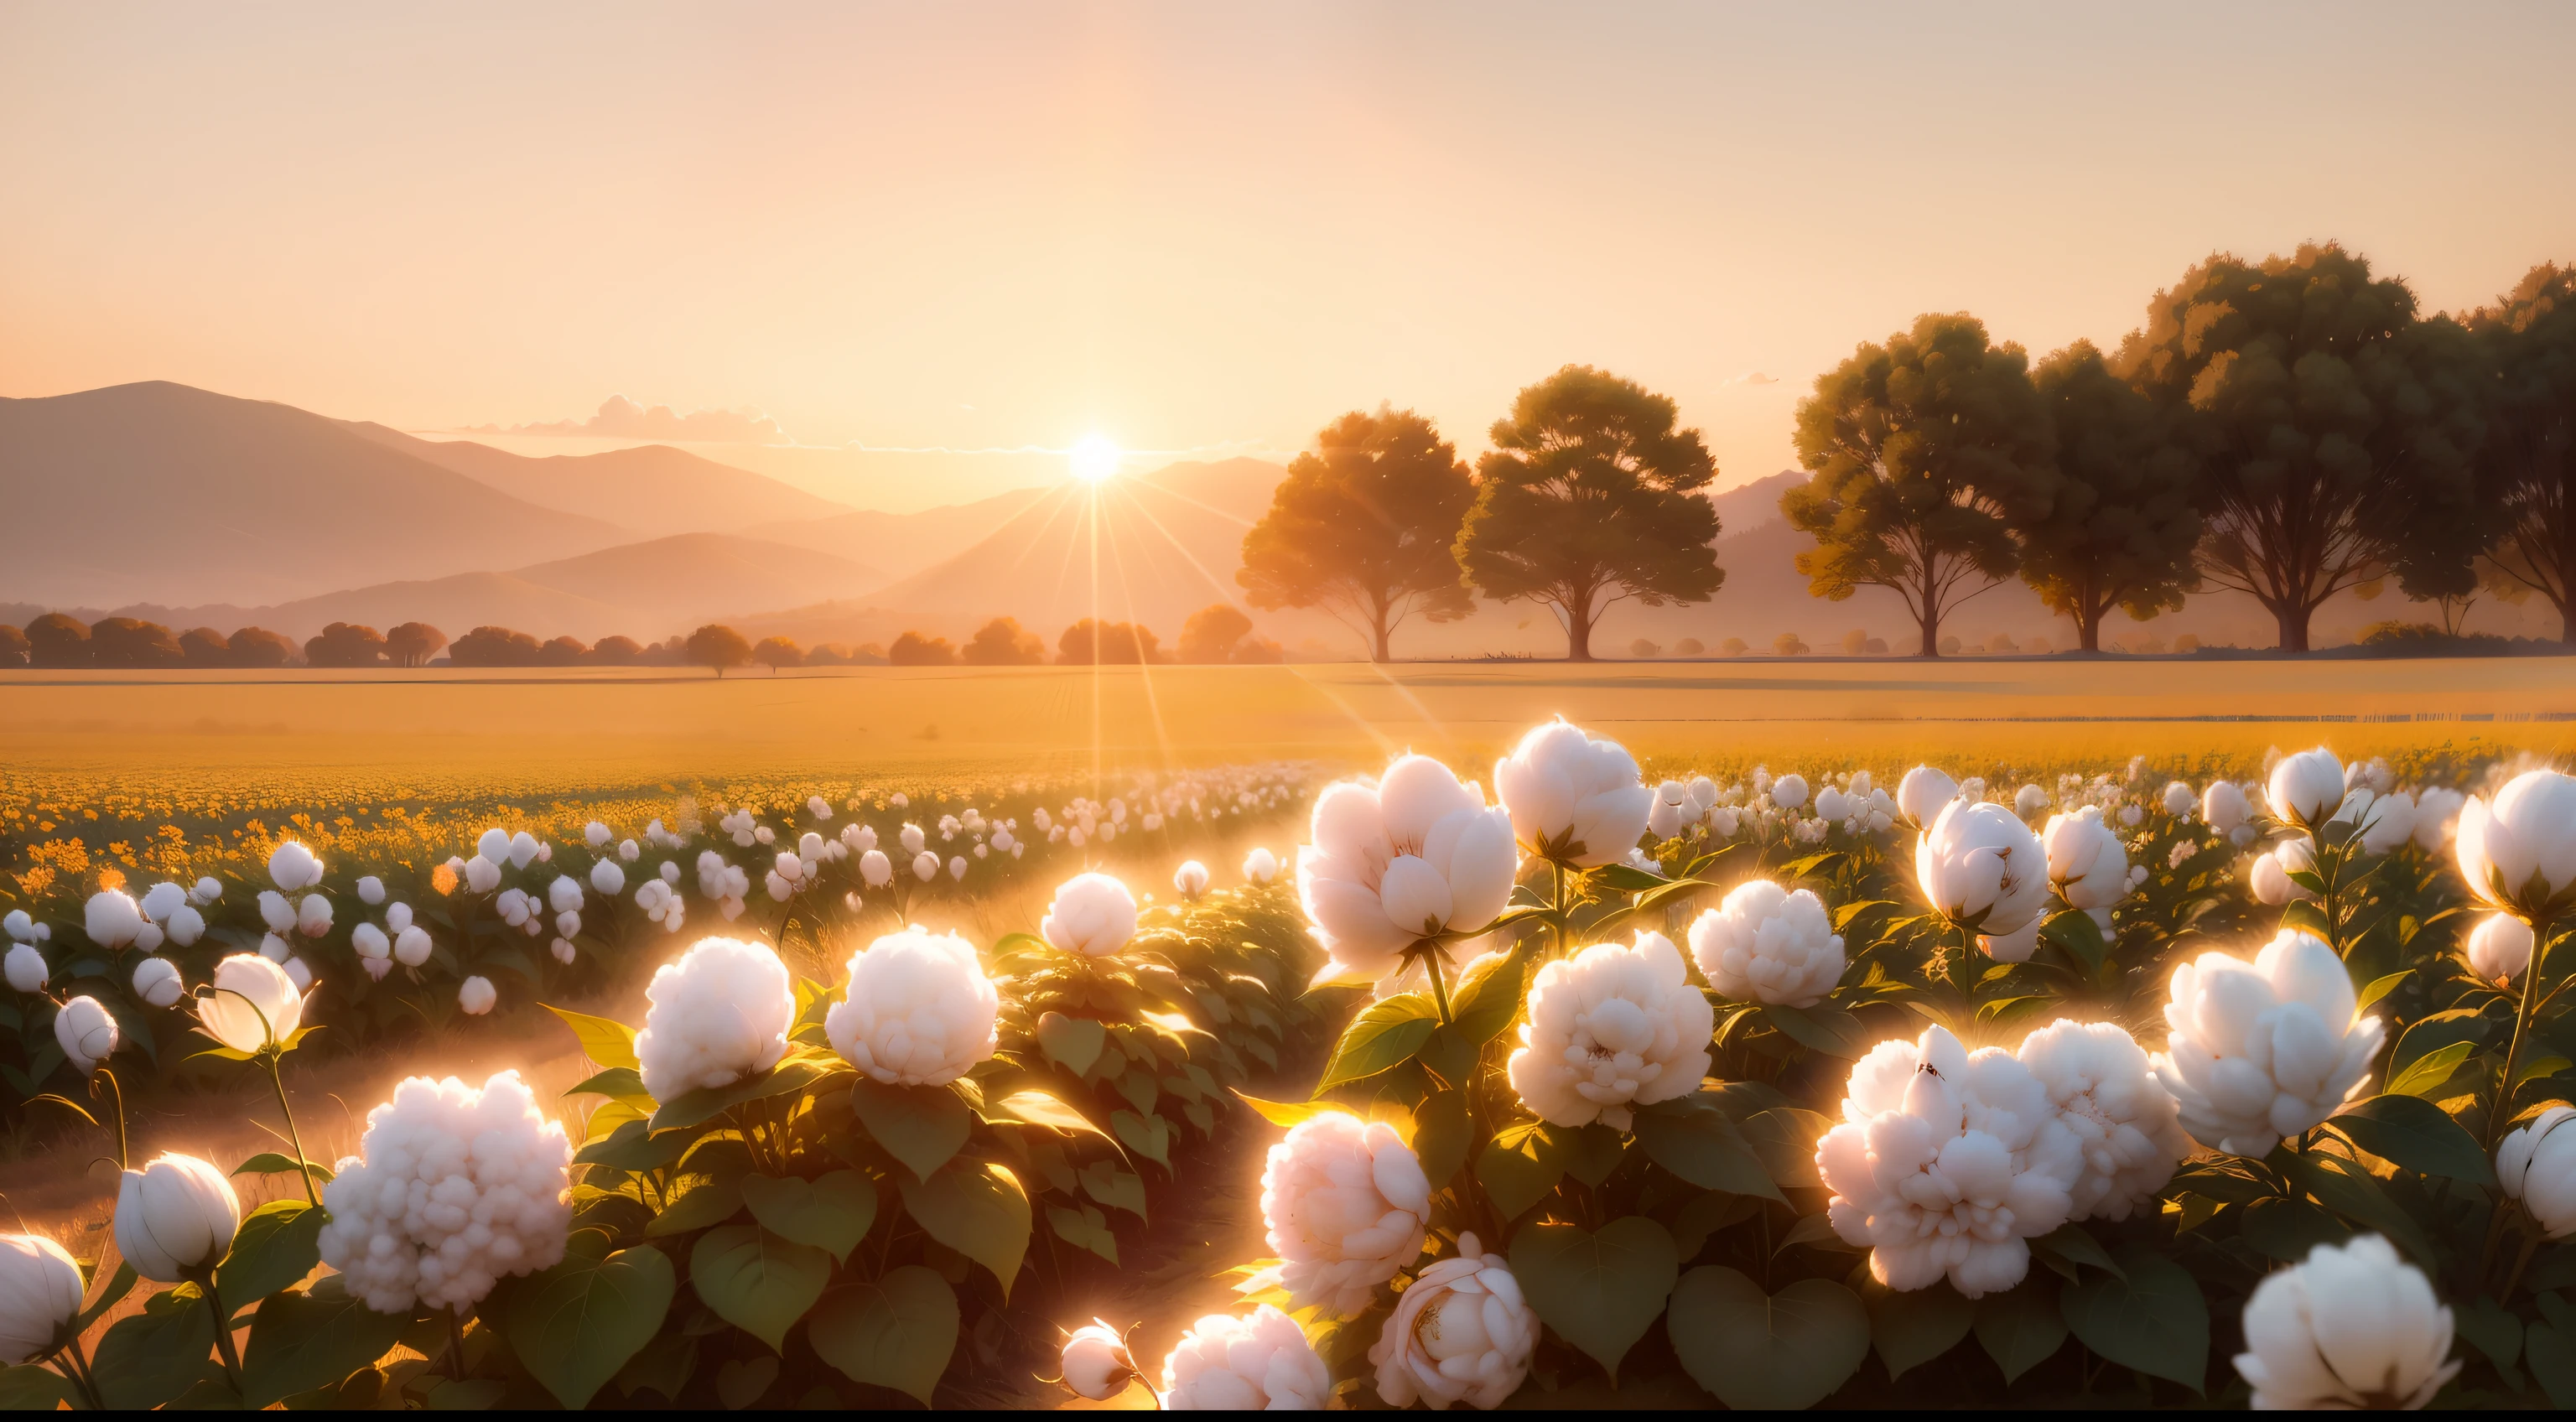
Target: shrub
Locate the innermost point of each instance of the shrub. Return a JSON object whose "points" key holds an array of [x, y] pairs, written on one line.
{"points": [[128, 642], [259, 647], [1734, 647], [1689, 647], [562, 652], [1788, 645], [1095, 643], [913, 649], [57, 640], [1644, 648], [1002, 642], [494, 647]]}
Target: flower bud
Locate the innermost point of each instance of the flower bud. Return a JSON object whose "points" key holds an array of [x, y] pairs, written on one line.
{"points": [[1191, 879], [313, 916], [1923, 793], [476, 995], [25, 968], [1092, 914], [292, 867], [1460, 1332], [157, 982], [2519, 853], [2353, 1327], [111, 918], [1097, 1364], [40, 1294], [2305, 788], [254, 1004], [2536, 1164], [371, 890], [2499, 948], [85, 1032], [175, 1217]]}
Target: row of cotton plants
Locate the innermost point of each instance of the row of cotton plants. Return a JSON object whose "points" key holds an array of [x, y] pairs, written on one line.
{"points": [[512, 917], [783, 1190], [1806, 1090]]}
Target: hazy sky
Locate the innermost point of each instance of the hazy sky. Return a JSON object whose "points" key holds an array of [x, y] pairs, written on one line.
{"points": [[1197, 227]]}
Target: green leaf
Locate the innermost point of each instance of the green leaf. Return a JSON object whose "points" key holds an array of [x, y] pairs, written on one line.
{"points": [[2075, 931], [1042, 1108], [793, 1074], [978, 1209], [896, 1332], [1786, 1351], [2344, 1187], [1519, 1166], [2021, 1328], [1148, 1136], [119, 1284], [1442, 1132], [1489, 996], [2154, 1320], [632, 1146], [2549, 1348], [617, 1084], [1386, 1032], [274, 1249], [301, 1340], [740, 1382], [2381, 987], [1600, 1292], [1073, 1043], [2412, 1132], [1084, 1227], [1288, 1113], [2287, 1229], [574, 1325], [1593, 1151], [922, 1126], [757, 1281], [1120, 1189], [148, 1358], [1913, 1328], [832, 1213], [1701, 1146], [2429, 1073], [1785, 1137], [1825, 1027], [700, 1200], [611, 1044], [1627, 878], [2069, 1246], [29, 1388], [269, 1162], [2492, 1328]]}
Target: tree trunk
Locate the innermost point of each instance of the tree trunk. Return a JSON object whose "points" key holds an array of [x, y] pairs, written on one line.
{"points": [[2294, 626], [1578, 631], [2088, 632], [1931, 625], [1377, 638]]}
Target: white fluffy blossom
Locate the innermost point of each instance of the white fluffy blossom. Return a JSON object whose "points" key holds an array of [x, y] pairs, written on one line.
{"points": [[1096, 1362], [1571, 797], [2106, 1092], [162, 900], [719, 1014], [1259, 1363], [2355, 1326], [40, 1292], [918, 1009], [254, 1004], [1789, 792], [1260, 866], [608, 878], [2519, 853], [1092, 914], [453, 1188], [2437, 817], [477, 996], [2263, 1050], [1947, 1163], [2223, 806], [174, 1217], [293, 868], [85, 1032], [2536, 1164], [2268, 876], [1923, 793], [2178, 799], [1609, 1029], [596, 834], [411, 946], [2029, 800], [313, 916], [371, 890], [661, 903], [1461, 1332], [1415, 855], [1346, 1204], [2305, 789], [2499, 948], [925, 866], [523, 850], [1979, 864], [25, 968], [564, 894], [1191, 879], [2387, 822], [2087, 862], [1670, 811], [157, 982], [111, 918], [1763, 943], [482, 875]]}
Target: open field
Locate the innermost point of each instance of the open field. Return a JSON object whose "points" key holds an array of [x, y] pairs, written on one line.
{"points": [[535, 729]]}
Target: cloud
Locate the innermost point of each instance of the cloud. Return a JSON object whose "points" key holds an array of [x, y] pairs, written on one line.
{"points": [[621, 418], [1753, 377]]}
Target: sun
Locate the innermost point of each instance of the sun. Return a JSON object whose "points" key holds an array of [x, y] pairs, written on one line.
{"points": [[1095, 459]]}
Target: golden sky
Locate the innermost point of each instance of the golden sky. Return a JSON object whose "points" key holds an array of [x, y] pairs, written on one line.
{"points": [[1196, 227]]}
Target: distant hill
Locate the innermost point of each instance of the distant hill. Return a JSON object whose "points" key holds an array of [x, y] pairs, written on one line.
{"points": [[157, 492], [900, 543], [652, 489]]}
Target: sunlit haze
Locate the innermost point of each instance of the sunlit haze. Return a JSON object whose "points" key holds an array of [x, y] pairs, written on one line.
{"points": [[1094, 459]]}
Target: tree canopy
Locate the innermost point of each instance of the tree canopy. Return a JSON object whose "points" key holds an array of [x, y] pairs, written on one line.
{"points": [[2334, 426], [2122, 527], [132, 642], [1002, 642], [1091, 642], [2526, 467], [412, 644], [719, 647], [1591, 496], [1363, 527], [345, 644], [919, 649], [1928, 452]]}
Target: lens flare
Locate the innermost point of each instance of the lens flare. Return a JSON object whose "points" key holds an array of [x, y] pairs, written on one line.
{"points": [[1095, 459]]}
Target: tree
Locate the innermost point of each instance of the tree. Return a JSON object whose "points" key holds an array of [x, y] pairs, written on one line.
{"points": [[1094, 643], [2334, 427], [1927, 451], [13, 646], [562, 652], [2527, 464], [615, 652], [490, 646], [345, 644], [56, 640], [205, 647], [718, 646], [412, 644], [259, 647], [130, 642], [1591, 488], [1363, 528], [914, 649], [776, 652], [2122, 526], [1002, 642], [1213, 634], [1788, 644]]}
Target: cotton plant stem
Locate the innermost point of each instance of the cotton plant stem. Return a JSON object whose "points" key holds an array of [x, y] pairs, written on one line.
{"points": [[303, 1167], [224, 1348], [455, 1345], [1439, 988], [73, 1366], [2498, 1115]]}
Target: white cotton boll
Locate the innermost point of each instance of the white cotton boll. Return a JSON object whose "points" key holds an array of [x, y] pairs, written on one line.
{"points": [[157, 982], [2087, 862], [913, 839], [1259, 1363], [764, 835], [1947, 1164], [1831, 804], [1610, 1029], [494, 844], [1096, 1362], [40, 1294], [719, 1014], [375, 968], [1670, 811], [568, 923], [175, 1216], [1766, 944], [2536, 1164], [514, 906], [899, 799], [299, 973], [482, 875], [1789, 792], [564, 894], [2520, 851], [1152, 821], [2127, 1124], [292, 867], [2178, 799], [925, 866], [162, 900], [2499, 948], [85, 1032], [453, 1189], [1577, 797], [111, 918], [1460, 1332], [2264, 1050], [2437, 816], [779, 889], [523, 849], [206, 891], [1923, 793], [186, 926], [1260, 866], [1979, 863], [1419, 853], [18, 925], [2269, 875], [1191, 879], [276, 912], [918, 1010], [1724, 822], [477, 995], [957, 867], [274, 948], [563, 950], [371, 890], [313, 916], [1346, 1205], [255, 1003], [670, 872], [2354, 1326], [596, 834], [2029, 800], [629, 851], [411, 946], [607, 878], [818, 807], [876, 869], [2390, 823], [1703, 796], [2305, 788], [370, 941]]}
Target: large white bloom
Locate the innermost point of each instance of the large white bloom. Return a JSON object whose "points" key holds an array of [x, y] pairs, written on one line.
{"points": [[2305, 788], [1979, 864], [1670, 811], [26, 968], [111, 918], [1191, 879], [1578, 797], [2437, 816], [40, 1291], [453, 1188], [1263, 1363], [1789, 792], [2268, 876], [918, 1010], [293, 868], [2536, 1164], [719, 1014], [476, 995], [1260, 866], [1092, 914], [1923, 793], [2223, 806], [1763, 943], [85, 1032], [1461, 1332], [313, 916], [175, 1216], [1346, 1204], [1611, 1028], [1415, 855], [2387, 822], [254, 1004], [2087, 862], [2262, 1050], [2520, 852], [2499, 948], [1096, 1362], [157, 982], [1948, 1162], [2353, 1327], [2106, 1092]]}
